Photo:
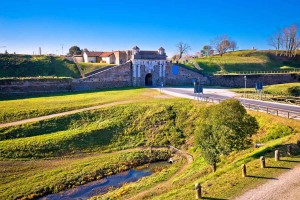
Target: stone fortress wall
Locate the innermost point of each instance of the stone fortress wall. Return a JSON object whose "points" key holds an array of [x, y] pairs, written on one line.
{"points": [[143, 68], [238, 81], [107, 80], [118, 76]]}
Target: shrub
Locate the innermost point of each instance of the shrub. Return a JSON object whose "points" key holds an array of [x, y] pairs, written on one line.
{"points": [[277, 131], [224, 128], [294, 91]]}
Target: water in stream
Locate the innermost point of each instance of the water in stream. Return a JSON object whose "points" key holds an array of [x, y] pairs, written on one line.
{"points": [[101, 186]]}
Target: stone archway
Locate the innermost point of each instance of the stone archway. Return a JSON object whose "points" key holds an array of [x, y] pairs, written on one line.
{"points": [[148, 80]]}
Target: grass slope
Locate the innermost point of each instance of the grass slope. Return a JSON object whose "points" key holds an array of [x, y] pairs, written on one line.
{"points": [[106, 129], [246, 61], [18, 109], [91, 136], [31, 179], [84, 136], [227, 182], [30, 66], [89, 67], [287, 89]]}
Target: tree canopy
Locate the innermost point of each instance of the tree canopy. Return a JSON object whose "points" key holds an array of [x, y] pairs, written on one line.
{"points": [[75, 50], [224, 128]]}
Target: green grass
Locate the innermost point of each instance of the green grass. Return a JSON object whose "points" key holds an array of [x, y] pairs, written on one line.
{"points": [[89, 67], [227, 182], [64, 139], [245, 61], [31, 179], [287, 89], [59, 153], [18, 109], [160, 122], [31, 66]]}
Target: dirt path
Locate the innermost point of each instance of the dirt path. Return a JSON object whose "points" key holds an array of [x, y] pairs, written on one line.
{"points": [[62, 114], [287, 186], [167, 183]]}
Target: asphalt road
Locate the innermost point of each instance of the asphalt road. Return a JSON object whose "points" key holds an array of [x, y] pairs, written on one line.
{"points": [[222, 94]]}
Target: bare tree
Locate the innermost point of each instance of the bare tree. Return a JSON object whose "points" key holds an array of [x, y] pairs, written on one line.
{"points": [[183, 48], [276, 41], [297, 45], [290, 40], [221, 44], [233, 45]]}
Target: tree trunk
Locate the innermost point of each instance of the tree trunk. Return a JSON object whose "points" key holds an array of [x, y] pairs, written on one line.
{"points": [[214, 167]]}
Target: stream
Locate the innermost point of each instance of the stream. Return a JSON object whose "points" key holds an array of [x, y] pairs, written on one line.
{"points": [[102, 186]]}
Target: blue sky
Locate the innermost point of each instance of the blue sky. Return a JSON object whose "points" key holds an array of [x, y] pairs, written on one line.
{"points": [[121, 24]]}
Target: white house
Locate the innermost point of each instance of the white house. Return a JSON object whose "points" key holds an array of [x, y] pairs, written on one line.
{"points": [[99, 57]]}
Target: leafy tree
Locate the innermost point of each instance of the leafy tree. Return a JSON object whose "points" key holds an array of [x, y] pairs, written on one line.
{"points": [[75, 50], [224, 128], [207, 50]]}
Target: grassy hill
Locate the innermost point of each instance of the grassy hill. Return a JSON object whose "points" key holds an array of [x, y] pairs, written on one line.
{"points": [[249, 60], [30, 66]]}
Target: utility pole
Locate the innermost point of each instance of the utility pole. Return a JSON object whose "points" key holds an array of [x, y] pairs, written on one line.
{"points": [[62, 49]]}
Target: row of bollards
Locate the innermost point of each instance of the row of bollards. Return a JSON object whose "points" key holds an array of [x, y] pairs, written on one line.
{"points": [[244, 168], [262, 163]]}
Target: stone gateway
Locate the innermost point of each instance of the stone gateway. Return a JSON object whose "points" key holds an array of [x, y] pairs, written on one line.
{"points": [[148, 67], [143, 68]]}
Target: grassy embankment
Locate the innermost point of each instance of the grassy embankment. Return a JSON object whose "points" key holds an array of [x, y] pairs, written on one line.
{"points": [[32, 66], [157, 122], [247, 60], [86, 139], [284, 93], [18, 109], [287, 89], [89, 67], [228, 182], [35, 178]]}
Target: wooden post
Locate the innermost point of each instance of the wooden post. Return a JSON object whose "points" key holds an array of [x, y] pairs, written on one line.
{"points": [[262, 162], [277, 156], [198, 191], [289, 150], [244, 170]]}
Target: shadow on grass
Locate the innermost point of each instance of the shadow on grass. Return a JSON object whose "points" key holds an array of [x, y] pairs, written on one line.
{"points": [[262, 177], [212, 198], [278, 167], [289, 160], [14, 96]]}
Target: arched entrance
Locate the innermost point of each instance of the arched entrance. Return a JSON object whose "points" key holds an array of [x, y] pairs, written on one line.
{"points": [[148, 80]]}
